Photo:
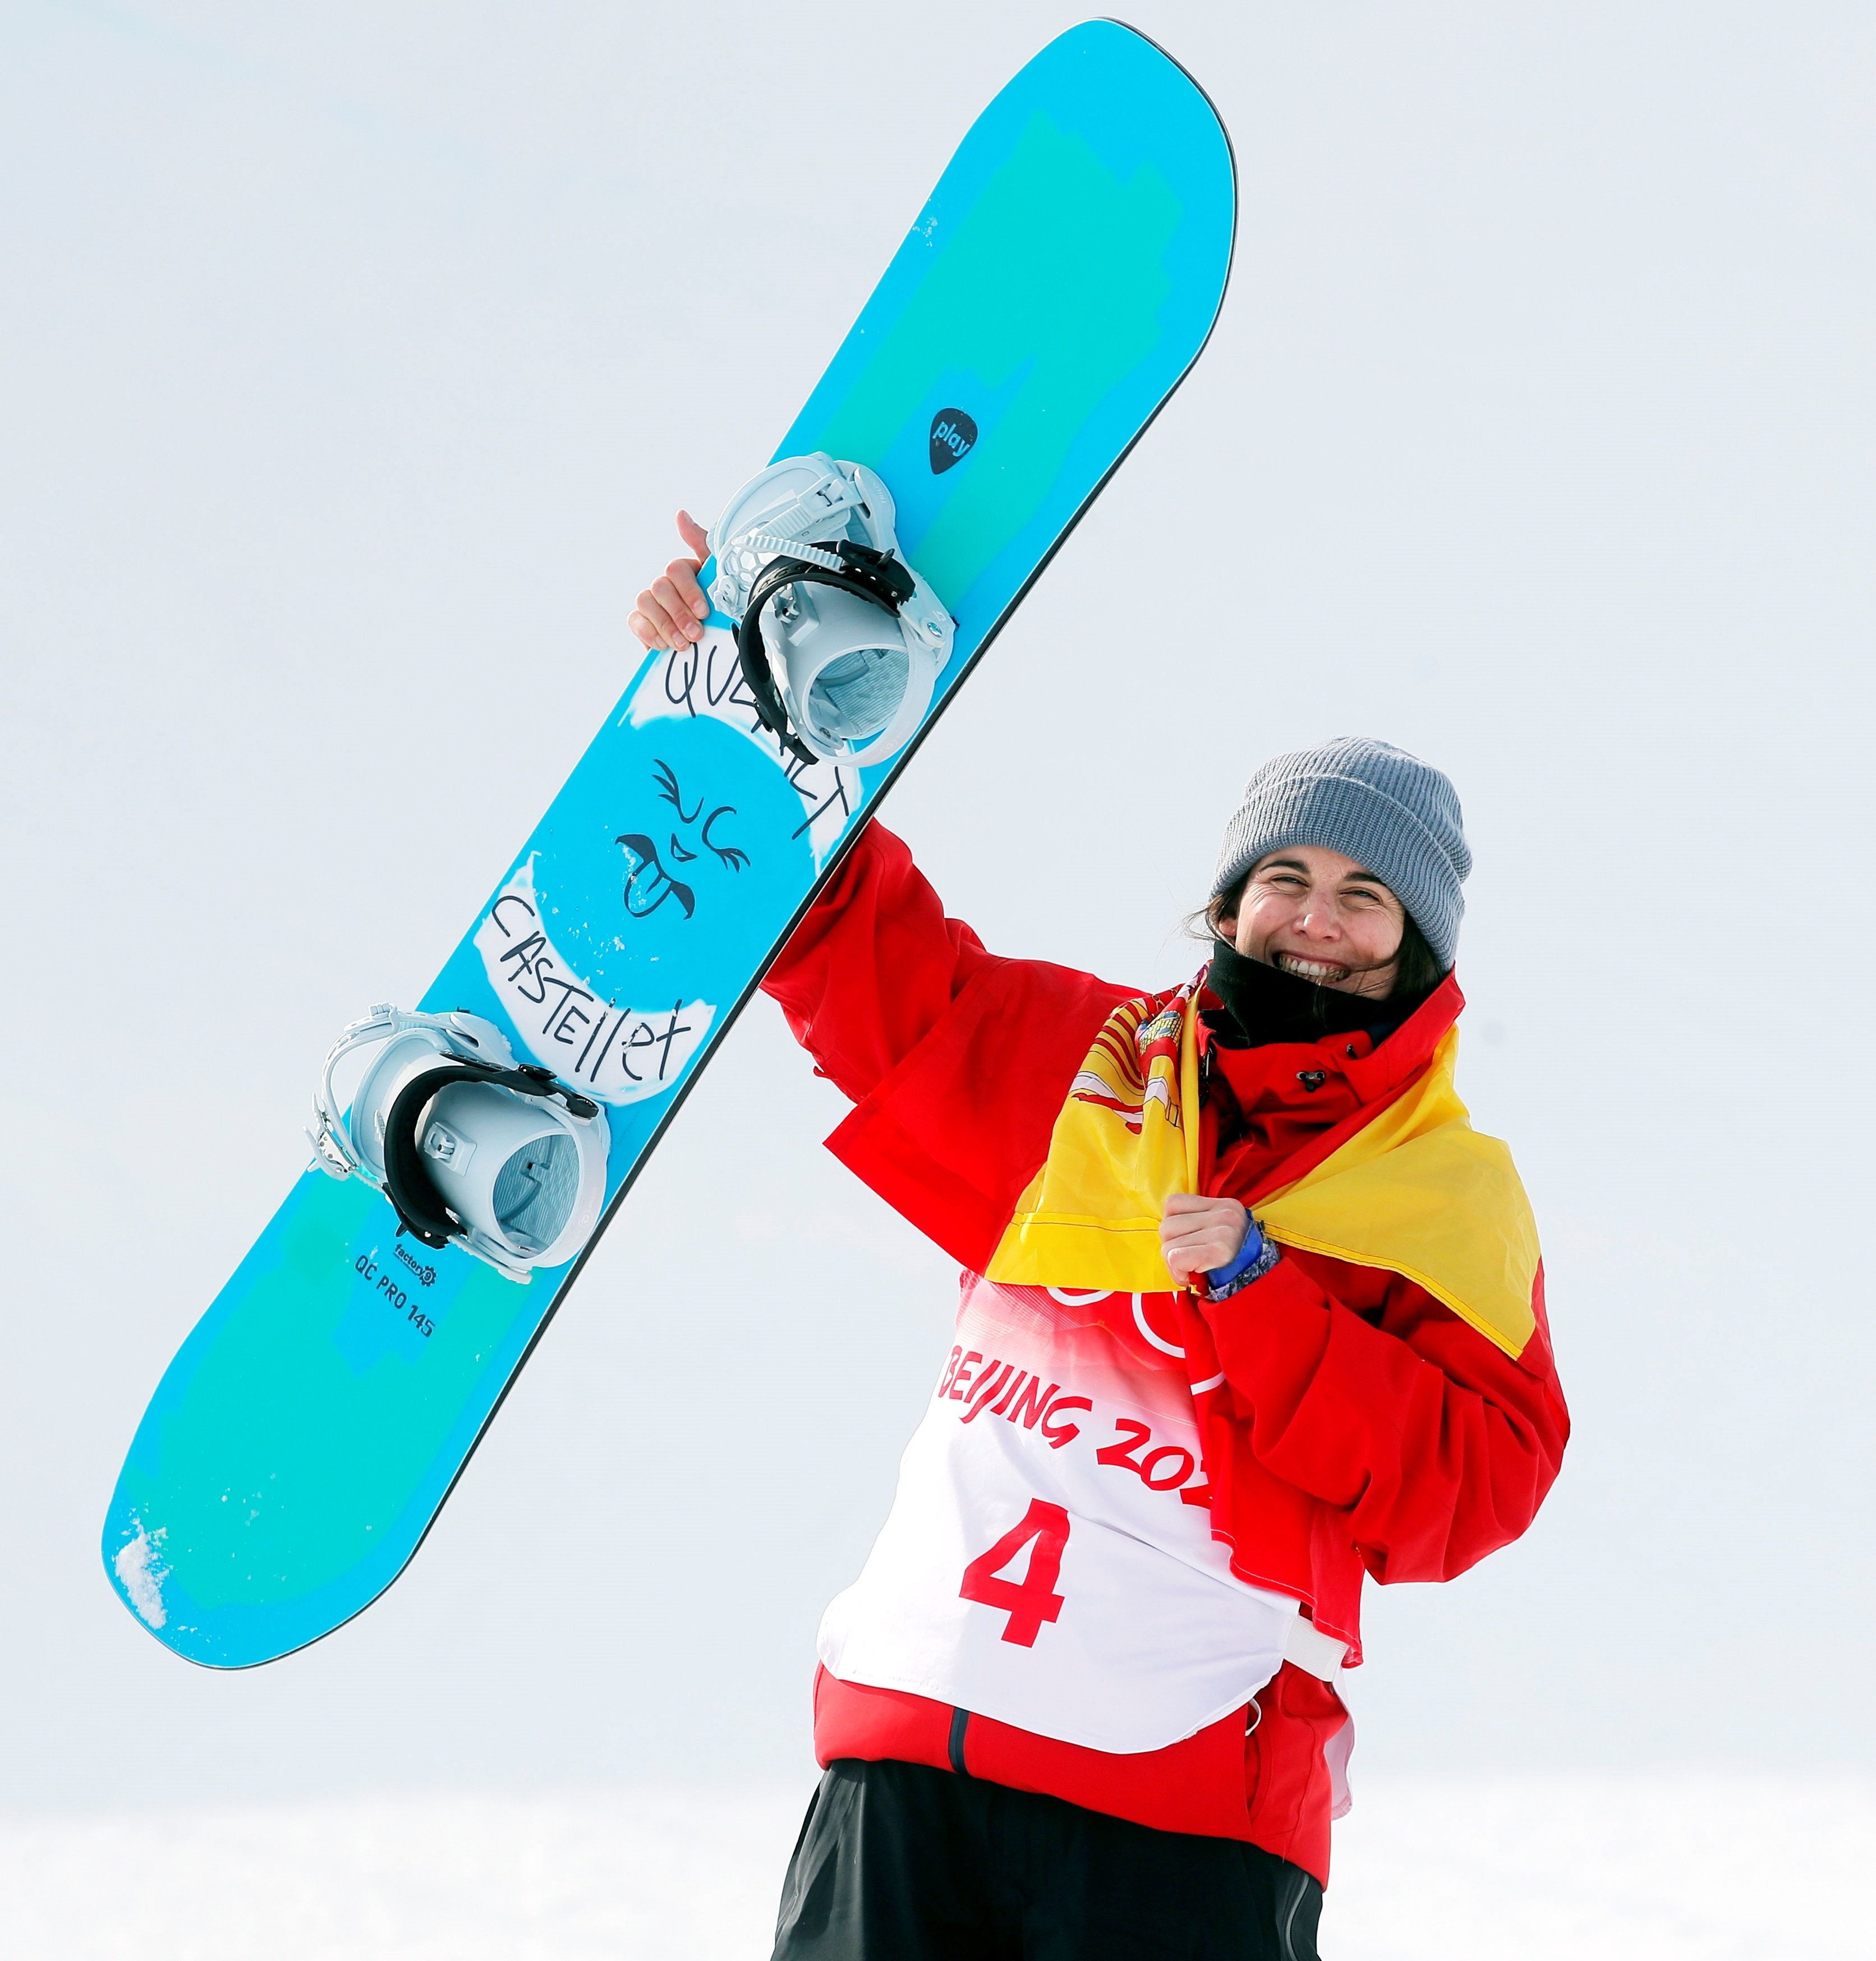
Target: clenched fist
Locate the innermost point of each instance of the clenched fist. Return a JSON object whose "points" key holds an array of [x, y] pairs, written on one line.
{"points": [[1199, 1236]]}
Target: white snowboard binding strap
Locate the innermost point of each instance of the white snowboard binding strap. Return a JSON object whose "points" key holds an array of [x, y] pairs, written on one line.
{"points": [[471, 1148], [842, 642]]}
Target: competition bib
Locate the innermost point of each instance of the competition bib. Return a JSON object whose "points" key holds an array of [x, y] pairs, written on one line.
{"points": [[1048, 1560]]}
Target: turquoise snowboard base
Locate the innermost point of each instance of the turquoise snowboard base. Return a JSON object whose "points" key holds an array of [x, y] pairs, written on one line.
{"points": [[1062, 279]]}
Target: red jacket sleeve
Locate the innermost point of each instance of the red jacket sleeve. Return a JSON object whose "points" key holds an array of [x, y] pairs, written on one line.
{"points": [[1435, 1446], [959, 1060], [874, 966]]}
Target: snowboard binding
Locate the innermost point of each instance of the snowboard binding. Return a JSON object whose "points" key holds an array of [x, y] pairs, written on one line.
{"points": [[471, 1148], [841, 642]]}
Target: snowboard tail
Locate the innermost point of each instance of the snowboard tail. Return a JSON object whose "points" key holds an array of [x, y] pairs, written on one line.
{"points": [[1061, 280]]}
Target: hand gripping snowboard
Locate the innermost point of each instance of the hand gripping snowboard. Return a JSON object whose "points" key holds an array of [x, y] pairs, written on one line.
{"points": [[1061, 280]]}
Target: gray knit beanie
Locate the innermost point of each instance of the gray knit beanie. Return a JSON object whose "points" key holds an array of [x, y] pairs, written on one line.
{"points": [[1395, 815]]}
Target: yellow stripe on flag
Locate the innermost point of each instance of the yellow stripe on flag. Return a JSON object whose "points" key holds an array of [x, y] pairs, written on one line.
{"points": [[1417, 1191]]}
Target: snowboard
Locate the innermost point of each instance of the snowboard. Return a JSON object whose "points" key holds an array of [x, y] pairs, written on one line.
{"points": [[1059, 283]]}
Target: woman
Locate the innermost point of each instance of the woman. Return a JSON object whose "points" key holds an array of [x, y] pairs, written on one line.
{"points": [[1249, 1311]]}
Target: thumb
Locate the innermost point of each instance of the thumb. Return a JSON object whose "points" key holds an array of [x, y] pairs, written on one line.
{"points": [[695, 538]]}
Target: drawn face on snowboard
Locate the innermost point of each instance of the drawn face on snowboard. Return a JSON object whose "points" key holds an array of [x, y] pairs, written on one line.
{"points": [[653, 876], [680, 862]]}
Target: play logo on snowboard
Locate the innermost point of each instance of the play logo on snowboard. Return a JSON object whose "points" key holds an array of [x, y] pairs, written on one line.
{"points": [[953, 437]]}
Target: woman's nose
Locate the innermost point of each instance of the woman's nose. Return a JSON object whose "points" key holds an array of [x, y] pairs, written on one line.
{"points": [[1320, 920]]}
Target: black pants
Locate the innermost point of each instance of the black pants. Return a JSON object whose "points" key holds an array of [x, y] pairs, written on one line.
{"points": [[898, 1862]]}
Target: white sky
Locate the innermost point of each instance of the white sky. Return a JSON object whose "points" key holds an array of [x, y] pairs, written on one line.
{"points": [[339, 423]]}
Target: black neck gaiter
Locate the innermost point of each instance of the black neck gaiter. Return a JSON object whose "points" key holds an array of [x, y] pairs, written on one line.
{"points": [[1264, 1004]]}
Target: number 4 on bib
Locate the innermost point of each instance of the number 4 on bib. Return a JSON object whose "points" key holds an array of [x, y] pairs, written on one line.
{"points": [[1033, 1599]]}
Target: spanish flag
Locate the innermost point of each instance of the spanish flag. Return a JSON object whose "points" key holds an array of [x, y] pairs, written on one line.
{"points": [[1416, 1189]]}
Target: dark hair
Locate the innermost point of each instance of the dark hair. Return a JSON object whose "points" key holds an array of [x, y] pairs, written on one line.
{"points": [[1417, 969]]}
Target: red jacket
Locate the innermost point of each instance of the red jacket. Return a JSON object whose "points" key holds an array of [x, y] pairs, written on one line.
{"points": [[1367, 1429]]}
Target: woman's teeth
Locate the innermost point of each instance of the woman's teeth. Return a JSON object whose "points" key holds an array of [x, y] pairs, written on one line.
{"points": [[1318, 971]]}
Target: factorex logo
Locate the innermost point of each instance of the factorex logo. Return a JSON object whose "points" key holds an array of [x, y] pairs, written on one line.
{"points": [[953, 437]]}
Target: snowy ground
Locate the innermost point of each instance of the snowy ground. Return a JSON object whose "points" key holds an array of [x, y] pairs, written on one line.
{"points": [[1627, 1870]]}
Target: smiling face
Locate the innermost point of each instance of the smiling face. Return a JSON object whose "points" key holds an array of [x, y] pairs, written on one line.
{"points": [[654, 870], [612, 908], [1319, 915]]}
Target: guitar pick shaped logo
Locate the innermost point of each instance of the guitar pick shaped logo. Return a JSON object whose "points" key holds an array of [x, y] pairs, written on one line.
{"points": [[953, 437]]}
